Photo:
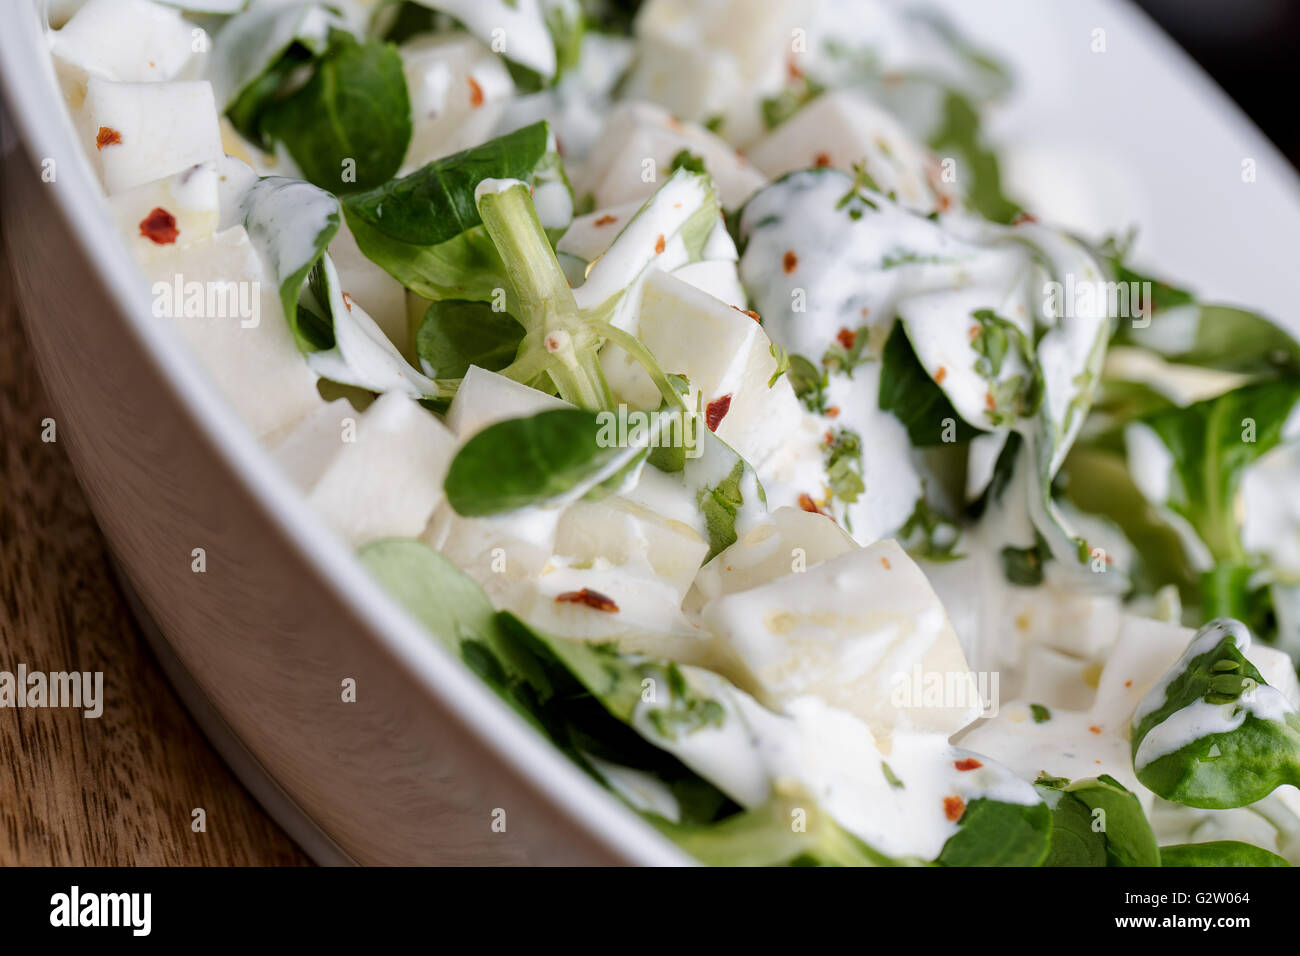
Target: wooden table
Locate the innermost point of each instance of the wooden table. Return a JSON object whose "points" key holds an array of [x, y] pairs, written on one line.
{"points": [[120, 789]]}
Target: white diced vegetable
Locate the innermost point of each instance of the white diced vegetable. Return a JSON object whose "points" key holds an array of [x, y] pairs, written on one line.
{"points": [[788, 542], [378, 474], [725, 355], [863, 631], [190, 198], [641, 142], [615, 532], [131, 41], [485, 398], [147, 131], [458, 89], [217, 295]]}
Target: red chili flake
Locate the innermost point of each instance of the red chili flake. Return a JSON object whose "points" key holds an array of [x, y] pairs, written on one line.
{"points": [[475, 93], [791, 262], [945, 202], [833, 412], [749, 312], [974, 332], [1095, 729], [990, 401], [659, 245], [822, 160], [884, 563], [347, 301], [829, 437], [970, 763], [1022, 217], [1128, 683], [792, 68], [606, 220], [846, 338], [592, 599], [807, 504], [940, 375], [160, 226], [107, 136], [717, 411], [953, 808]]}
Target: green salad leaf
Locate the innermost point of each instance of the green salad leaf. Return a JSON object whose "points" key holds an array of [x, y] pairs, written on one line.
{"points": [[1218, 853], [553, 456], [436, 202], [908, 391], [995, 833], [1097, 822], [348, 127], [456, 334], [1212, 733], [291, 223]]}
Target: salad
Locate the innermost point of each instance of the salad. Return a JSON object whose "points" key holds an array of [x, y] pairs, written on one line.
{"points": [[687, 370]]}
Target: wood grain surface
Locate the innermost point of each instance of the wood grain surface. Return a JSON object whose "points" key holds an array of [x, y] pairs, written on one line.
{"points": [[119, 789]]}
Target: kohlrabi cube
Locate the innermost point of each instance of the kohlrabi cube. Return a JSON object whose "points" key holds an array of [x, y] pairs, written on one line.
{"points": [[1060, 680], [178, 210], [1083, 625], [588, 236], [217, 294], [131, 41], [379, 293], [148, 131], [458, 88], [863, 631], [790, 541], [614, 532], [485, 398], [718, 277], [640, 143], [727, 358], [714, 60], [378, 473], [638, 612], [504, 554], [841, 128]]}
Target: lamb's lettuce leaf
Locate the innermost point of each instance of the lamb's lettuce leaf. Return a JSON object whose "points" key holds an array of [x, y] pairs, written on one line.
{"points": [[349, 347], [553, 456], [257, 48], [1212, 733], [996, 833], [348, 127], [456, 334], [909, 392], [425, 228], [1097, 822], [290, 223], [436, 202], [1218, 853]]}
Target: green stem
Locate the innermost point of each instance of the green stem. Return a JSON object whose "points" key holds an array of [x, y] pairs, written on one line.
{"points": [[635, 348], [1224, 591]]}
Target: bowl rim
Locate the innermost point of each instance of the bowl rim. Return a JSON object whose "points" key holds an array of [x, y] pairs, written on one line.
{"points": [[28, 87]]}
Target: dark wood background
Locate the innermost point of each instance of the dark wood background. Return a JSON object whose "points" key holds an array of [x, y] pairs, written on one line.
{"points": [[117, 790]]}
